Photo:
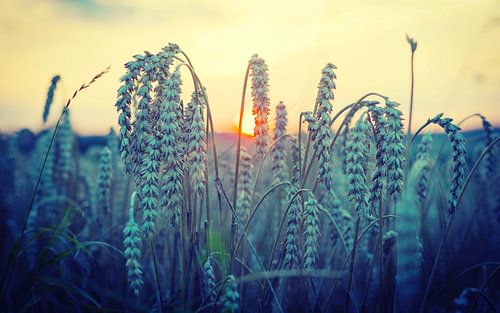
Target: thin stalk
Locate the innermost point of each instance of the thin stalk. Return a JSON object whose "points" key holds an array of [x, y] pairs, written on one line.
{"points": [[157, 278], [252, 213], [275, 244], [381, 256], [238, 154], [212, 131], [252, 249], [207, 193], [483, 285], [351, 267], [300, 144], [348, 256], [411, 93], [240, 126], [369, 278]]}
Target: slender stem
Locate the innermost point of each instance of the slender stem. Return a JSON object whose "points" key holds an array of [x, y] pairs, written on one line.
{"points": [[351, 267], [381, 256], [212, 130], [434, 266], [411, 94], [369, 278], [218, 184], [252, 213], [238, 152], [483, 285], [348, 256], [300, 144], [157, 278]]}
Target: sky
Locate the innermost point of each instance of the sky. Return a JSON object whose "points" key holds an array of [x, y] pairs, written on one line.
{"points": [[457, 62]]}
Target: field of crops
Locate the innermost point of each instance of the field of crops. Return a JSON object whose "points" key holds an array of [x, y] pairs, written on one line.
{"points": [[355, 212]]}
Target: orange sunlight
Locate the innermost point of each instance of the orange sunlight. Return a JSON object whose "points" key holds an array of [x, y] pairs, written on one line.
{"points": [[247, 126]]}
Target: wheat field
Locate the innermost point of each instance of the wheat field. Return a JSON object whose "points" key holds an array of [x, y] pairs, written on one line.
{"points": [[358, 211]]}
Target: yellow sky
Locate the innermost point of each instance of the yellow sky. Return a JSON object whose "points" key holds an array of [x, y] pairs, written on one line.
{"points": [[457, 61]]}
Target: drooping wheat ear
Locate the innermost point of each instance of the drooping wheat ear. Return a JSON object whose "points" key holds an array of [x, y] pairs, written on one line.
{"points": [[457, 141], [311, 232], [322, 135], [209, 281], [148, 193], [245, 187], [50, 97], [132, 251], [395, 148], [197, 145], [291, 258], [379, 174], [171, 151], [137, 81], [231, 298], [143, 123], [345, 133], [296, 157], [260, 110], [104, 183], [490, 157], [64, 152], [425, 167], [358, 148], [125, 94], [144, 159], [278, 154]]}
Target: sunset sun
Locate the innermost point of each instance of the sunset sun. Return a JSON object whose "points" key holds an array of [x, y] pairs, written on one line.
{"points": [[247, 126]]}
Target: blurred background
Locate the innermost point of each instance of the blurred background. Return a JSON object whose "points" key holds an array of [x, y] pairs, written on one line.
{"points": [[457, 61]]}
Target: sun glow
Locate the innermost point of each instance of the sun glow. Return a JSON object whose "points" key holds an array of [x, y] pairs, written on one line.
{"points": [[247, 125]]}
